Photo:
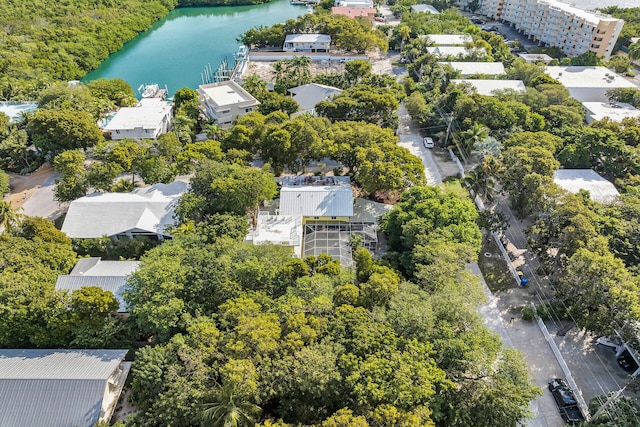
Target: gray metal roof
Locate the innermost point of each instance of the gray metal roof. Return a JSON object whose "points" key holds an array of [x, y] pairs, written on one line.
{"points": [[307, 96], [574, 180], [54, 388], [316, 201], [114, 284], [94, 266]]}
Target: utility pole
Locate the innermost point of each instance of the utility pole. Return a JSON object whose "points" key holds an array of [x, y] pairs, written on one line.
{"points": [[615, 396]]}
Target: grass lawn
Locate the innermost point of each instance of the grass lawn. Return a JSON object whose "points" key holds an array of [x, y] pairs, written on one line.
{"points": [[494, 268], [453, 185]]}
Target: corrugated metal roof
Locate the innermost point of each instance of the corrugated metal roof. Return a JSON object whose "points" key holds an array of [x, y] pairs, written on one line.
{"points": [[307, 96], [149, 210], [574, 180], [96, 267], [115, 284], [54, 388], [314, 200]]}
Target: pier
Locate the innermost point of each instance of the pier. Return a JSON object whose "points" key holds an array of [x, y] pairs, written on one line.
{"points": [[224, 71]]}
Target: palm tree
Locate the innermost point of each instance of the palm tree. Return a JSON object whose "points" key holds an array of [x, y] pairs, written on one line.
{"points": [[299, 68], [213, 131], [404, 31], [634, 51], [475, 134], [255, 86], [9, 217], [225, 409]]}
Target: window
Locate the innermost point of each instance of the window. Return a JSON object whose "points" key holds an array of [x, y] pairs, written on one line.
{"points": [[225, 111], [334, 217], [246, 110]]}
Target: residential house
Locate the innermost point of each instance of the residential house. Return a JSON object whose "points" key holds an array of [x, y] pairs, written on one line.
{"points": [[307, 43], [367, 13], [535, 57], [143, 212], [448, 39], [60, 388], [150, 118], [488, 87], [456, 51], [355, 3], [15, 110], [425, 8], [473, 68], [588, 84], [574, 180], [225, 101], [307, 96], [616, 111], [108, 275]]}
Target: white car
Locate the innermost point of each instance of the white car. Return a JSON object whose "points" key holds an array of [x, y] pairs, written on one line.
{"points": [[428, 142]]}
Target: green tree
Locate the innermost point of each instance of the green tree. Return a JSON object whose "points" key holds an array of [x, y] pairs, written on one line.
{"points": [[634, 51], [226, 409], [54, 131], [72, 183], [4, 182]]}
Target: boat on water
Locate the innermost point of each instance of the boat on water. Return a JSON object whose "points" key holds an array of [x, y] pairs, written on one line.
{"points": [[152, 91]]}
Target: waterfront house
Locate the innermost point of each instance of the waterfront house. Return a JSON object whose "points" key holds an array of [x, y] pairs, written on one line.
{"points": [[307, 96], [150, 118], [60, 388], [143, 212], [224, 101], [108, 275], [307, 43]]}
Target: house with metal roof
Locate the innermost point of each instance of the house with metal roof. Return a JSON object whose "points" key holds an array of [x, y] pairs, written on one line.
{"points": [[317, 197], [149, 119], [574, 180], [449, 39], [424, 8], [488, 87], [108, 275], [472, 68], [60, 388], [145, 211], [307, 96], [307, 43], [225, 101], [456, 51]]}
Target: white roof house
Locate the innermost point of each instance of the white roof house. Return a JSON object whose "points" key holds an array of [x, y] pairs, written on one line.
{"points": [[307, 43], [426, 8], [574, 180], [354, 3], [60, 388], [471, 68], [616, 111], [144, 211], [447, 51], [108, 275], [316, 196], [285, 230], [15, 109], [487, 87], [147, 120], [449, 39], [225, 101], [588, 84], [307, 96], [535, 57]]}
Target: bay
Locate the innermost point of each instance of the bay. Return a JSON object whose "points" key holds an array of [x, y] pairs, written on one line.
{"points": [[176, 49]]}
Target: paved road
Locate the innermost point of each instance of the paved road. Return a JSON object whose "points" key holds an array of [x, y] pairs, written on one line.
{"points": [[41, 203], [411, 139]]}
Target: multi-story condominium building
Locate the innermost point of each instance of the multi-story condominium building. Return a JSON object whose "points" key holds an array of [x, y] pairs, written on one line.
{"points": [[558, 24]]}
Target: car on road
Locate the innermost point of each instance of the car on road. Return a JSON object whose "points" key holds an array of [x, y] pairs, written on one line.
{"points": [[627, 362], [566, 401], [428, 142]]}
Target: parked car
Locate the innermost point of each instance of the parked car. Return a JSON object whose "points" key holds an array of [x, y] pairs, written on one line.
{"points": [[428, 142], [566, 401], [627, 362], [378, 18]]}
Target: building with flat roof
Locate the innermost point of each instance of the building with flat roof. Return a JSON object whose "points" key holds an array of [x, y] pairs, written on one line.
{"points": [[307, 96], [574, 180], [307, 43], [616, 111], [488, 87], [455, 51], [554, 23], [60, 388], [588, 84], [150, 118], [472, 68], [535, 57], [355, 12], [355, 3], [449, 39], [143, 212], [424, 8], [108, 275], [226, 101]]}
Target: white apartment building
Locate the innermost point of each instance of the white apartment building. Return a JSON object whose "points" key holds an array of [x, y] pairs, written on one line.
{"points": [[558, 24]]}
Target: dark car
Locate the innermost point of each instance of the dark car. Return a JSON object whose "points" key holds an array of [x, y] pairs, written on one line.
{"points": [[566, 401], [627, 362]]}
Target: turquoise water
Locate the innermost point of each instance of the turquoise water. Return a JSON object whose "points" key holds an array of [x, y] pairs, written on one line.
{"points": [[177, 48]]}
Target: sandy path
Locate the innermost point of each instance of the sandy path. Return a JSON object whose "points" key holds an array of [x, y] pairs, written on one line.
{"points": [[23, 186]]}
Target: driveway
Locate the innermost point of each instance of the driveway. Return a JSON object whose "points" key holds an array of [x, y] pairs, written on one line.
{"points": [[410, 138], [42, 203]]}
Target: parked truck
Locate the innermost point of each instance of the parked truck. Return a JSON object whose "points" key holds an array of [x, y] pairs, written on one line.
{"points": [[566, 401]]}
